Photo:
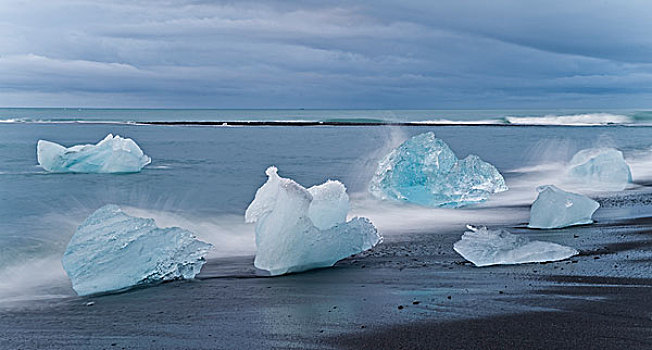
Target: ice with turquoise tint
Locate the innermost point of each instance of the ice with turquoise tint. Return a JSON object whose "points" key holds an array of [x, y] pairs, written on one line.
{"points": [[556, 208], [299, 229], [113, 154], [424, 170], [600, 169], [484, 247], [112, 251]]}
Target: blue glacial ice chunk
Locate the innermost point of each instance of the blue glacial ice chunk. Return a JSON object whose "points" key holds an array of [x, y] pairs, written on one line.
{"points": [[556, 208], [600, 169], [111, 155], [111, 251], [425, 171], [299, 229], [485, 247]]}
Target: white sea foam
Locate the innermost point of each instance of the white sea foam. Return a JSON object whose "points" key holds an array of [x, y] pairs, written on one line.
{"points": [[228, 232], [640, 164], [36, 279], [572, 119], [393, 219]]}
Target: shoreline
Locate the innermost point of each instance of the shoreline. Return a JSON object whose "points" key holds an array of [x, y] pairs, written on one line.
{"points": [[412, 292]]}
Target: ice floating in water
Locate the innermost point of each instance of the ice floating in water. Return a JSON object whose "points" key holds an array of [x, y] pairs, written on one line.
{"points": [[555, 208], [298, 229], [425, 171], [111, 155], [601, 169], [112, 250], [485, 247]]}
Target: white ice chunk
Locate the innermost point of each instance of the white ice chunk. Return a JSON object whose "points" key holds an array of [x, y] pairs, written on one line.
{"points": [[555, 208], [111, 251], [330, 204], [424, 170], [600, 169], [485, 247], [299, 229], [111, 155]]}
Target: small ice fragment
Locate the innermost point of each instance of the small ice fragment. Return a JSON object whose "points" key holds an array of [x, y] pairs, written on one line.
{"points": [[111, 155], [424, 170], [556, 208], [299, 229], [111, 251], [601, 169], [485, 247]]}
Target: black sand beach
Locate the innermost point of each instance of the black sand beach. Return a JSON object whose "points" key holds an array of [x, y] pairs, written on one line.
{"points": [[411, 292]]}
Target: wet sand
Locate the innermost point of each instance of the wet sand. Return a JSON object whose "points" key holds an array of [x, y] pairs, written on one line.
{"points": [[411, 292], [618, 319]]}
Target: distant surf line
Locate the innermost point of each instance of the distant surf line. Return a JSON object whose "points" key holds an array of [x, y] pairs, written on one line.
{"points": [[353, 123], [509, 121]]}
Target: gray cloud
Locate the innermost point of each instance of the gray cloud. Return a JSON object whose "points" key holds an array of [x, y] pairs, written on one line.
{"points": [[325, 54]]}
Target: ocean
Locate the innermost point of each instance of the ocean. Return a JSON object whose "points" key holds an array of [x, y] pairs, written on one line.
{"points": [[435, 117], [202, 177]]}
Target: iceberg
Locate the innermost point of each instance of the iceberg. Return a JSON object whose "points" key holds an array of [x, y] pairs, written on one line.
{"points": [[556, 208], [111, 155], [485, 247], [425, 171], [299, 229], [111, 251], [601, 169]]}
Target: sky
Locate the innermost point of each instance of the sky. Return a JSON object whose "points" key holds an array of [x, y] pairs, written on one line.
{"points": [[458, 54]]}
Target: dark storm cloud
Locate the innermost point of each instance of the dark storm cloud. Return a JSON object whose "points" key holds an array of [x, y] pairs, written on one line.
{"points": [[326, 54]]}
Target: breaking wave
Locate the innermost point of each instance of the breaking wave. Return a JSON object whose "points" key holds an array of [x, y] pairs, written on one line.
{"points": [[573, 119]]}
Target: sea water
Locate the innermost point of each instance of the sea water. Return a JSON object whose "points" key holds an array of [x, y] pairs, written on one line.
{"points": [[203, 177], [443, 117]]}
